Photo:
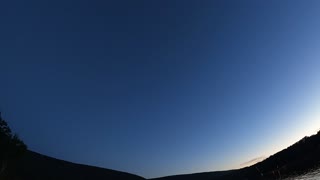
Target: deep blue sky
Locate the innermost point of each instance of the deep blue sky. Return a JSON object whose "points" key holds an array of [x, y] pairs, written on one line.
{"points": [[160, 87]]}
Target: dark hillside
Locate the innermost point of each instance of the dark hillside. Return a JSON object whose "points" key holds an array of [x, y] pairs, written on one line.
{"points": [[18, 163], [296, 159], [34, 166], [200, 176]]}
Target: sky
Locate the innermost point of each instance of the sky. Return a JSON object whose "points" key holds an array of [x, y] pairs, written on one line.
{"points": [[157, 88]]}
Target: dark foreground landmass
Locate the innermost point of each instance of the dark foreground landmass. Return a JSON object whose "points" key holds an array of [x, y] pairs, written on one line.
{"points": [[296, 159], [34, 166]]}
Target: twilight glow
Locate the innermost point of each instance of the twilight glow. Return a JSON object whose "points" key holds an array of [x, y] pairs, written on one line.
{"points": [[157, 88]]}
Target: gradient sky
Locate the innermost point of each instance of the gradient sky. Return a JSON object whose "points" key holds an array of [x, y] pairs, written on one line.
{"points": [[164, 87]]}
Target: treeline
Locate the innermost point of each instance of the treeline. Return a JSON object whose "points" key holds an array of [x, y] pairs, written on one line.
{"points": [[19, 163], [12, 148], [297, 159]]}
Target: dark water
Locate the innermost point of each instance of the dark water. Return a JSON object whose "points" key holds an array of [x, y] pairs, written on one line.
{"points": [[312, 175]]}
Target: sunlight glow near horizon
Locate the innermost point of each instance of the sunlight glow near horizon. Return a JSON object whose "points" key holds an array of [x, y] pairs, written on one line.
{"points": [[199, 87], [309, 125]]}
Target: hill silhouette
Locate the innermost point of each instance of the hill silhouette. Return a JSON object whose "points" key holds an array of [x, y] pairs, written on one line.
{"points": [[297, 159], [34, 166], [18, 163]]}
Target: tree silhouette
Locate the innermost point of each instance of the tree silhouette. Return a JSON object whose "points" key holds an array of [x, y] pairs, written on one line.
{"points": [[11, 148]]}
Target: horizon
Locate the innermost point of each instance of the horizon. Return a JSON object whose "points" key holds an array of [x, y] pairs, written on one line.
{"points": [[243, 165], [160, 88]]}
